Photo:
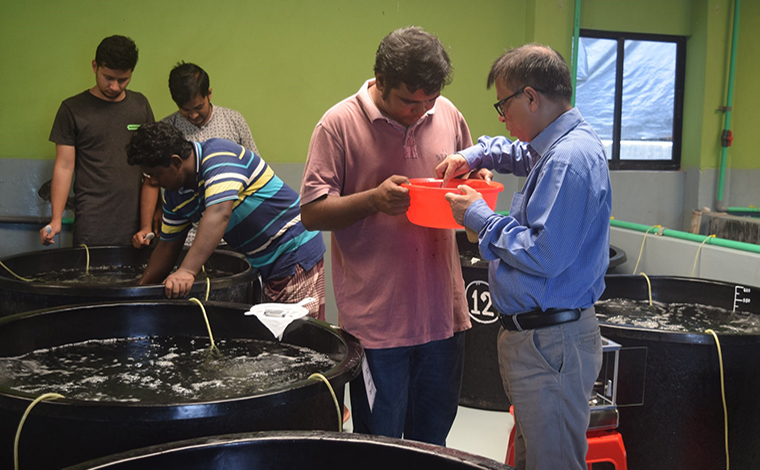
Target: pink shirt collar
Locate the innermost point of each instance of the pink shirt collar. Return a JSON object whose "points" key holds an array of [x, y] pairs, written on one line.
{"points": [[373, 112]]}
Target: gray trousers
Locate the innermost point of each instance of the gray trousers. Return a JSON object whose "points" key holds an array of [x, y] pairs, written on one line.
{"points": [[549, 375]]}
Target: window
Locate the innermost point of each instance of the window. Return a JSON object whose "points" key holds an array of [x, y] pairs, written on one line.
{"points": [[629, 87]]}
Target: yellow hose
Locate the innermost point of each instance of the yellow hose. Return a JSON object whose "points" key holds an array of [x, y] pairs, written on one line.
{"points": [[46, 396], [208, 325], [87, 266], [635, 268], [321, 377], [698, 250], [649, 285], [722, 391], [14, 274]]}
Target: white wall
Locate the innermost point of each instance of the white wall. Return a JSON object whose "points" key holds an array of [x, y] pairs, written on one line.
{"points": [[675, 257]]}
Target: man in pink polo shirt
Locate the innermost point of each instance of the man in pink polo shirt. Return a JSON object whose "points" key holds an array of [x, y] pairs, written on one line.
{"points": [[398, 286]]}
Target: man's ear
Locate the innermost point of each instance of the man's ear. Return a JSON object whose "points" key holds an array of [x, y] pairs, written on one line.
{"points": [[380, 83], [176, 161], [532, 95]]}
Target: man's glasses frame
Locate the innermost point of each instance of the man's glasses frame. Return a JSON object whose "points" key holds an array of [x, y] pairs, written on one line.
{"points": [[499, 105]]}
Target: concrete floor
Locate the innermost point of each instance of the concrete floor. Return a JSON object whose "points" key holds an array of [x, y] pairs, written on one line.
{"points": [[481, 432], [475, 431]]}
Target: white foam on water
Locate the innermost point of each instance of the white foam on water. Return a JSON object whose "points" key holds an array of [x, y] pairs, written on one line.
{"points": [[160, 369]]}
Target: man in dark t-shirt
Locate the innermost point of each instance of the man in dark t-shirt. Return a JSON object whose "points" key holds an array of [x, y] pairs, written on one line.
{"points": [[91, 131]]}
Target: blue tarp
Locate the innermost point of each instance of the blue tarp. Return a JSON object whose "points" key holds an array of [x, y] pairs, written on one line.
{"points": [[648, 88]]}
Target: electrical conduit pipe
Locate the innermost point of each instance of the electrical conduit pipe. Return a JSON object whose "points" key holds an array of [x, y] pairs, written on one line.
{"points": [[576, 47]]}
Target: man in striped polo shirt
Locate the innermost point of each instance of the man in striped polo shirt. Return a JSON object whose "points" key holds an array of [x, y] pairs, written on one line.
{"points": [[234, 195], [198, 120]]}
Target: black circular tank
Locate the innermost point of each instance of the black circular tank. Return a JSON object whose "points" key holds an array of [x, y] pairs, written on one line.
{"points": [[481, 383], [239, 282], [680, 423], [294, 450], [68, 431]]}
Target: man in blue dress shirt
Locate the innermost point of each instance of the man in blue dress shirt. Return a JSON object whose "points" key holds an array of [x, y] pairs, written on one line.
{"points": [[548, 257]]}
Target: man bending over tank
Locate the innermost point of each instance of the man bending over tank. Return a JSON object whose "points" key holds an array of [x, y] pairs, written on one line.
{"points": [[234, 195]]}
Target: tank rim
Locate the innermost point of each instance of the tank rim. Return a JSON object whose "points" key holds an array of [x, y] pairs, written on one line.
{"points": [[11, 283], [297, 437], [343, 372]]}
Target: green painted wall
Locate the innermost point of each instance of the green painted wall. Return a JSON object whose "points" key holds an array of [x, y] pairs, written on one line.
{"points": [[708, 60], [713, 46], [283, 63], [280, 63], [694, 137], [640, 16], [744, 119]]}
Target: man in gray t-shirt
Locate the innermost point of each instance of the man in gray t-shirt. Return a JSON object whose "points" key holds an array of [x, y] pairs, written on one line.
{"points": [[198, 120], [91, 131]]}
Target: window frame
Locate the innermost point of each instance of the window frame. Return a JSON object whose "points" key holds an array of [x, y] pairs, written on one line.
{"points": [[614, 161]]}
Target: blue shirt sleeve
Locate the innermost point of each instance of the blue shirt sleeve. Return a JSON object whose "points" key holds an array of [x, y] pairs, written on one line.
{"points": [[499, 154]]}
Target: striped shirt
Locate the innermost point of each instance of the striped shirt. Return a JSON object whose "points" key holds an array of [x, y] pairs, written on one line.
{"points": [[265, 224], [552, 250]]}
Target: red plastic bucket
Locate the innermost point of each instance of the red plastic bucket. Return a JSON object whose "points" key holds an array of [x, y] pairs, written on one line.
{"points": [[428, 206]]}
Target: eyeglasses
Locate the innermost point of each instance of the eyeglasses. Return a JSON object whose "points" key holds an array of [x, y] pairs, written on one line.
{"points": [[500, 104]]}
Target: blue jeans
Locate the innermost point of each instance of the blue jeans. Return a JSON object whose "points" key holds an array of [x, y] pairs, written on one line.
{"points": [[417, 391]]}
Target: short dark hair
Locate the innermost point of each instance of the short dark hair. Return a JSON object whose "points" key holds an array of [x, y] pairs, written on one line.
{"points": [[415, 58], [117, 52], [187, 80], [154, 144], [534, 65]]}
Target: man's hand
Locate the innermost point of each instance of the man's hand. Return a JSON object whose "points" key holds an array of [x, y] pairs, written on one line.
{"points": [[482, 174], [179, 283], [455, 165], [48, 233], [390, 197], [452, 166], [460, 202], [142, 238]]}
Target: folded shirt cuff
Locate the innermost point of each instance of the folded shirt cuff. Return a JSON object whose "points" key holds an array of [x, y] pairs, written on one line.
{"points": [[473, 156], [476, 216]]}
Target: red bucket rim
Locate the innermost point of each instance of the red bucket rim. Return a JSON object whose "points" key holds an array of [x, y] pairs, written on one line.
{"points": [[477, 184]]}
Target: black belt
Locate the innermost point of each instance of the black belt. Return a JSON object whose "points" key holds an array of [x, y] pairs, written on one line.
{"points": [[539, 319]]}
